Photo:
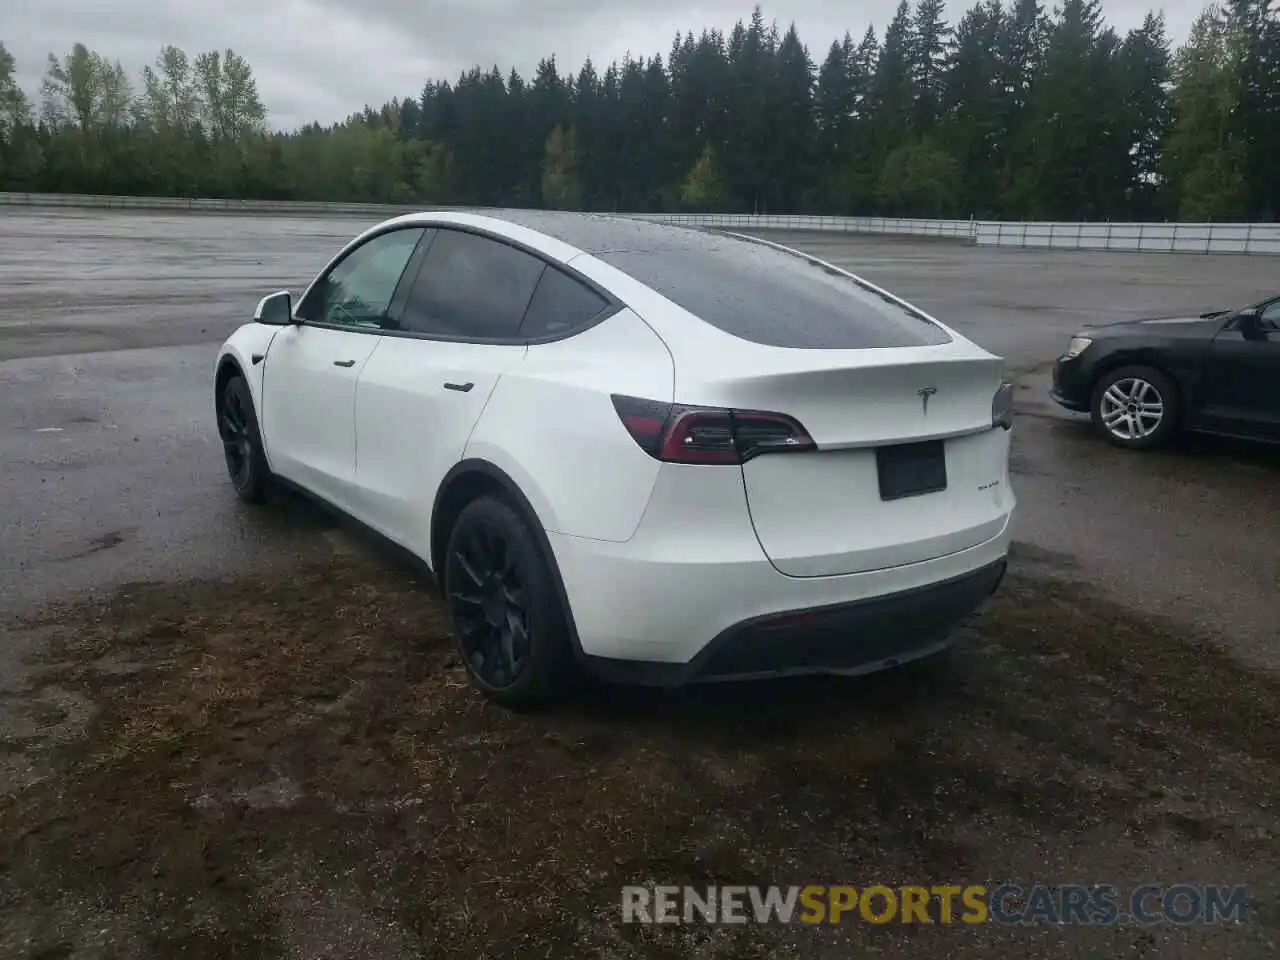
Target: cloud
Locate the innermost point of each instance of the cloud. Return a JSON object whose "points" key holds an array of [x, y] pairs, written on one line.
{"points": [[321, 59]]}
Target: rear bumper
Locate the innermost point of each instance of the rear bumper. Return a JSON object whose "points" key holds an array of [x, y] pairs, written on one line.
{"points": [[844, 638], [692, 595]]}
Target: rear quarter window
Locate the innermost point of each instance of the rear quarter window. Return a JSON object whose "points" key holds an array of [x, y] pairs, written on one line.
{"points": [[774, 298], [560, 305]]}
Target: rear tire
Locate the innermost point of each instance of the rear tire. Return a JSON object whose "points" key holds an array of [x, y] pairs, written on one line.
{"points": [[506, 615], [242, 442], [1136, 407]]}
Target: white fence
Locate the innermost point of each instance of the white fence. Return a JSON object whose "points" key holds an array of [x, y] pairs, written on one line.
{"points": [[1260, 238], [203, 205], [1252, 238], [946, 229]]}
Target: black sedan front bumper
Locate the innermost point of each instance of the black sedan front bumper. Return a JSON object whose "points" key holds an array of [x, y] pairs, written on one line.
{"points": [[1071, 384]]}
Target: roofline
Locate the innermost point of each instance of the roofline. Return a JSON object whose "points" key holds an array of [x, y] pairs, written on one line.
{"points": [[543, 243], [496, 224]]}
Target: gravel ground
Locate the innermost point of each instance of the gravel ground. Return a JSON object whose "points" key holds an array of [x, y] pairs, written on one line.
{"points": [[299, 769]]}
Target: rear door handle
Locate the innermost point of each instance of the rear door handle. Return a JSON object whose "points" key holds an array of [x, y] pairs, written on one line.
{"points": [[460, 387], [344, 363]]}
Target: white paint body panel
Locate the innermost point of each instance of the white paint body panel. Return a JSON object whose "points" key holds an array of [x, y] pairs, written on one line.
{"points": [[245, 343], [308, 407], [825, 516], [656, 558], [411, 430], [820, 513], [695, 568], [551, 427]]}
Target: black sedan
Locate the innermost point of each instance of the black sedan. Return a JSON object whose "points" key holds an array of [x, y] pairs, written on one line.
{"points": [[1144, 380]]}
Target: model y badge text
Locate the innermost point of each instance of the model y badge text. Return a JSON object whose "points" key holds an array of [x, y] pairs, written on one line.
{"points": [[925, 393]]}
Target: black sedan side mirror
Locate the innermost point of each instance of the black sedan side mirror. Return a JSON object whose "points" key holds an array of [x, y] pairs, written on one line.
{"points": [[1249, 321], [275, 309]]}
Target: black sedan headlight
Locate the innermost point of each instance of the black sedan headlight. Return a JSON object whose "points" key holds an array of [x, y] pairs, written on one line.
{"points": [[1077, 346]]}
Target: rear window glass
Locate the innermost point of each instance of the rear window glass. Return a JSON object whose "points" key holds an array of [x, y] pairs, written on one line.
{"points": [[775, 298]]}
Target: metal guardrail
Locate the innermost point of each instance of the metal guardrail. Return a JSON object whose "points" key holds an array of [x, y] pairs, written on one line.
{"points": [[204, 205], [949, 229], [1251, 238]]}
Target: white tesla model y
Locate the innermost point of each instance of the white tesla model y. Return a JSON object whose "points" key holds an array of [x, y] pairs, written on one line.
{"points": [[661, 454]]}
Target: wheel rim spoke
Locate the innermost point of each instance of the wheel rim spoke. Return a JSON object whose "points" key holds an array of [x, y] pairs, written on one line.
{"points": [[487, 602], [237, 444], [1112, 417], [519, 640], [1131, 408], [468, 568], [469, 599]]}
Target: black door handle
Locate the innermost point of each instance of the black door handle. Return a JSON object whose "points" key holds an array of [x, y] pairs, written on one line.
{"points": [[344, 363], [460, 387]]}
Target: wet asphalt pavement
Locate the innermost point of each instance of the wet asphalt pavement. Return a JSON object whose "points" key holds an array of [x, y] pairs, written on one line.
{"points": [[111, 471]]}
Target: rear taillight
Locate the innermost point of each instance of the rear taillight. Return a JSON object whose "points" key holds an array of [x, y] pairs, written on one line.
{"points": [[1002, 406], [679, 434]]}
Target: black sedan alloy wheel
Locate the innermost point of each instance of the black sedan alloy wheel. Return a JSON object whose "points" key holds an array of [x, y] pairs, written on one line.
{"points": [[1135, 407]]}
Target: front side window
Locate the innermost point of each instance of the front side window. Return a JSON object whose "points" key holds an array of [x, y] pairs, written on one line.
{"points": [[358, 291], [1271, 315], [471, 287]]}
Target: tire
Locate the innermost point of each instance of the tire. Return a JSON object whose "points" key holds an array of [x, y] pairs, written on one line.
{"points": [[1136, 407], [506, 616], [242, 442]]}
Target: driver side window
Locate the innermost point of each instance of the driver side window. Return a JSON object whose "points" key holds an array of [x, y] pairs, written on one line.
{"points": [[1271, 315], [358, 291]]}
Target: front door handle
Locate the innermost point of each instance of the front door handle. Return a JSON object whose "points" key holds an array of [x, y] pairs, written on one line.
{"points": [[460, 387], [344, 363]]}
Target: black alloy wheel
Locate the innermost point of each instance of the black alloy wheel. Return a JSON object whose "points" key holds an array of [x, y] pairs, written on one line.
{"points": [[241, 441], [507, 619]]}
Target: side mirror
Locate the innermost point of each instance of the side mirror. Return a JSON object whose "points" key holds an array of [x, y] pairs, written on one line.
{"points": [[275, 309], [1249, 320]]}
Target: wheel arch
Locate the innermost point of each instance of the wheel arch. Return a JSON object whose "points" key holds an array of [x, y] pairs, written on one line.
{"points": [[228, 367], [1140, 358], [470, 479]]}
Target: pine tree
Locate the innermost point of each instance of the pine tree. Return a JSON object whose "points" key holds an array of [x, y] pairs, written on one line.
{"points": [[561, 189]]}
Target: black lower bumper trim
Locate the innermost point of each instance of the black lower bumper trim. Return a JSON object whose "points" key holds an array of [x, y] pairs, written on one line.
{"points": [[1071, 385], [1063, 400], [847, 638]]}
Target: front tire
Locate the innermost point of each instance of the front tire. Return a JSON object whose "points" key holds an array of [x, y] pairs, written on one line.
{"points": [[1136, 407], [242, 442], [510, 627]]}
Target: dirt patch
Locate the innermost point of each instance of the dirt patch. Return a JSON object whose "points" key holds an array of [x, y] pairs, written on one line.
{"points": [[296, 767]]}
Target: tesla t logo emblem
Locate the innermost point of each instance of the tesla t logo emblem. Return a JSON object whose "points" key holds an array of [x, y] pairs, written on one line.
{"points": [[925, 393]]}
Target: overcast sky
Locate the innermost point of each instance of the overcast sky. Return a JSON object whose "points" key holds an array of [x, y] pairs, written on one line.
{"points": [[321, 59]]}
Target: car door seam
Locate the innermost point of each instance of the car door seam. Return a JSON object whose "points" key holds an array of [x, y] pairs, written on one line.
{"points": [[466, 444], [355, 407], [262, 396]]}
